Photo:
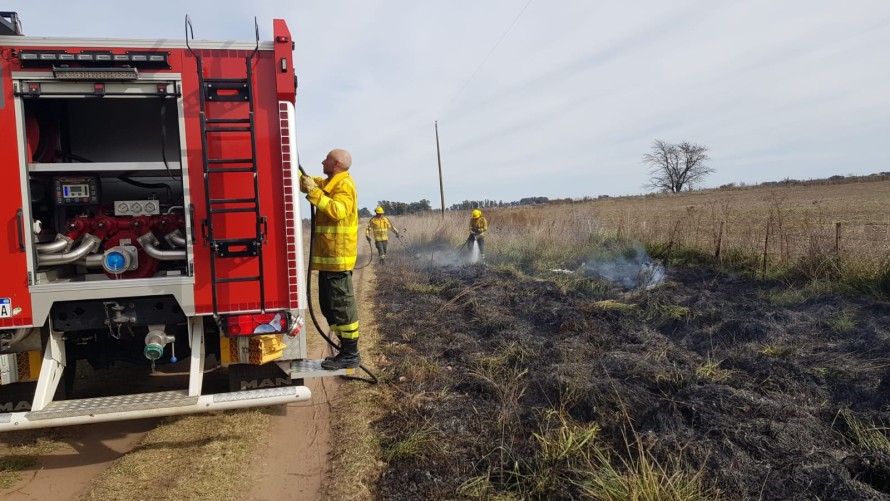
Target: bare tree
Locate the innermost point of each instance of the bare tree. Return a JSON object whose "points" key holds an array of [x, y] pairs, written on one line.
{"points": [[673, 167]]}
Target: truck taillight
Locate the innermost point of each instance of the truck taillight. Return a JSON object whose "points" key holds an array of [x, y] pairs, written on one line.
{"points": [[260, 323]]}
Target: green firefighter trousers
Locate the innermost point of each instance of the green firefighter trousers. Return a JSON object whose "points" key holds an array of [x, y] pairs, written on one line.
{"points": [[337, 301], [381, 247]]}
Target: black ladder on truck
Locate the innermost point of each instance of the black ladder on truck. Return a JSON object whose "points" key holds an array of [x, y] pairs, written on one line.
{"points": [[229, 90]]}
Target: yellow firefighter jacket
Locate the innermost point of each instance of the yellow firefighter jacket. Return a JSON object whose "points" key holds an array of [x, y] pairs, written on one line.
{"points": [[478, 226], [381, 227], [336, 223]]}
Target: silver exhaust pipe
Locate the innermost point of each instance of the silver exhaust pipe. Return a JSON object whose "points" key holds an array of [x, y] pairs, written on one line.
{"points": [[149, 244], [62, 243], [88, 245]]}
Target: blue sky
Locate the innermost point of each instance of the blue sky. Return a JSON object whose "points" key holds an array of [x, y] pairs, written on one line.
{"points": [[558, 98]]}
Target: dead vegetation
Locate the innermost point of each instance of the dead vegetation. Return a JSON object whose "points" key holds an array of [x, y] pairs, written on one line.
{"points": [[524, 390]]}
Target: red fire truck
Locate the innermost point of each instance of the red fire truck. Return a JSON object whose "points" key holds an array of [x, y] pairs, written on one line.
{"points": [[149, 212]]}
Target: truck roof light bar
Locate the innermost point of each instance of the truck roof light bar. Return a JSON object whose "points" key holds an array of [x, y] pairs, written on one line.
{"points": [[96, 73], [141, 59]]}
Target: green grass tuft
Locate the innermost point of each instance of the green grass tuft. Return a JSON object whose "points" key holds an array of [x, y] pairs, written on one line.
{"points": [[842, 323], [711, 370], [775, 351]]}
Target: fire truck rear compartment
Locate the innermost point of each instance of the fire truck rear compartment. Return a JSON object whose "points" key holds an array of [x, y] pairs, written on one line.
{"points": [[106, 187]]}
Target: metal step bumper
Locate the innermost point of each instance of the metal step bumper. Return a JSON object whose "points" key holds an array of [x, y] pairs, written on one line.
{"points": [[298, 369], [144, 405]]}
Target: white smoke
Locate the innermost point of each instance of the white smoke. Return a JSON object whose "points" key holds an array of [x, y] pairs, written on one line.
{"points": [[630, 269]]}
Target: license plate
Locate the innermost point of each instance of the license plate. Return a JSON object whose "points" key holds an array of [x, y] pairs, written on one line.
{"points": [[5, 307]]}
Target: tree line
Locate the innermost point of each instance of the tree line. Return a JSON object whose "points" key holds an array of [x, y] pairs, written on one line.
{"points": [[398, 208], [488, 204], [402, 208]]}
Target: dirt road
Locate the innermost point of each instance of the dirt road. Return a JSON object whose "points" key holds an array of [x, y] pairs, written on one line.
{"points": [[87, 451], [295, 460]]}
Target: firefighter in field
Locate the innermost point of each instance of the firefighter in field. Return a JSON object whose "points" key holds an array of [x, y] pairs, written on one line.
{"points": [[381, 227], [334, 252], [478, 228]]}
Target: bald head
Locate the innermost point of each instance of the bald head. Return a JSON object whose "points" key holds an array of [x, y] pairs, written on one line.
{"points": [[336, 162]]}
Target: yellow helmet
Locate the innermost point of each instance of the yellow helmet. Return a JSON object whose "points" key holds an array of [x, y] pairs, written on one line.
{"points": [[379, 210], [477, 213]]}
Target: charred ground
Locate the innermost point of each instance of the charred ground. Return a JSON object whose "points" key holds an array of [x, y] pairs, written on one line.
{"points": [[510, 384]]}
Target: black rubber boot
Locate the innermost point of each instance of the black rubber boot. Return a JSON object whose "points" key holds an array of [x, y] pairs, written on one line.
{"points": [[338, 349], [348, 358]]}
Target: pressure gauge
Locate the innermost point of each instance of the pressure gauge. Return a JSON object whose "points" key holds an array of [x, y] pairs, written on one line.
{"points": [[136, 207], [123, 208], [149, 207]]}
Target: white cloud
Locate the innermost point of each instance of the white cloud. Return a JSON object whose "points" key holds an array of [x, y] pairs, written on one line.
{"points": [[572, 96]]}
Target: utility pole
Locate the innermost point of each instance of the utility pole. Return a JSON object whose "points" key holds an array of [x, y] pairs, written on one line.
{"points": [[439, 157]]}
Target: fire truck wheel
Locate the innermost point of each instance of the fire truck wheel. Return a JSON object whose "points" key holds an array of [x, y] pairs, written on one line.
{"points": [[254, 377]]}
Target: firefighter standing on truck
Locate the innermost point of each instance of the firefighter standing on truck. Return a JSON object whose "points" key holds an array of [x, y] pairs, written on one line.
{"points": [[334, 252], [381, 226], [478, 228]]}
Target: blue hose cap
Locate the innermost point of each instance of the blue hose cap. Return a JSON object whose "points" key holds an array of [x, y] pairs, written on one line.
{"points": [[115, 261]]}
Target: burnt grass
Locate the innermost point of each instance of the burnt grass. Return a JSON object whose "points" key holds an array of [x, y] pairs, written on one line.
{"points": [[478, 355]]}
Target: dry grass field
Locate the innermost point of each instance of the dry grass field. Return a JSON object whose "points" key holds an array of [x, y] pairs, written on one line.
{"points": [[838, 231]]}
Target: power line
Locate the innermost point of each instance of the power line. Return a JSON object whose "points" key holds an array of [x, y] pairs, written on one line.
{"points": [[501, 39]]}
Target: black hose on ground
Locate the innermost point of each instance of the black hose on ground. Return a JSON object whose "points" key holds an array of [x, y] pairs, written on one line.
{"points": [[327, 338], [370, 251]]}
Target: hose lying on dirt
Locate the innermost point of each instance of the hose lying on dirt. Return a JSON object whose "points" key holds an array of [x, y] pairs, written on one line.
{"points": [[370, 247]]}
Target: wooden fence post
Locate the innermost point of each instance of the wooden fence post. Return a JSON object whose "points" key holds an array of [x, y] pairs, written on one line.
{"points": [[766, 246], [837, 239], [837, 243]]}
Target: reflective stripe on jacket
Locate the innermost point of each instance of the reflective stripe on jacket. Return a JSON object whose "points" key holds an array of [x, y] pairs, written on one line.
{"points": [[336, 223], [478, 226], [381, 227]]}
